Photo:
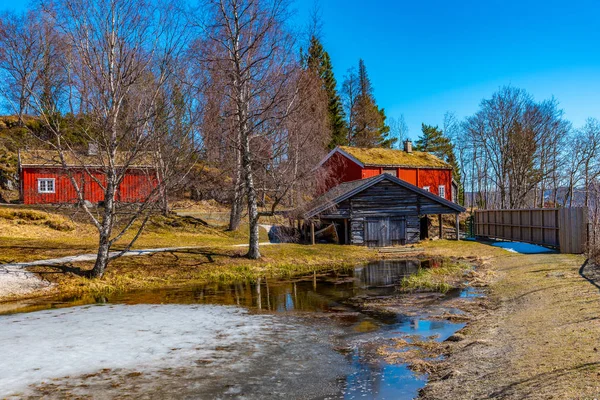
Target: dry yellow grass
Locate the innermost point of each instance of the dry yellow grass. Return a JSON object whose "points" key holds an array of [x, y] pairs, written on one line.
{"points": [[537, 338], [26, 240], [22, 217]]}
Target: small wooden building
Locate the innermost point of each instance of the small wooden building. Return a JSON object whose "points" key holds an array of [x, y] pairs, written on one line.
{"points": [[44, 179], [378, 211]]}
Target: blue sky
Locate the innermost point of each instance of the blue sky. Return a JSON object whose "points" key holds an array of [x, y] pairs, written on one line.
{"points": [[428, 57]]}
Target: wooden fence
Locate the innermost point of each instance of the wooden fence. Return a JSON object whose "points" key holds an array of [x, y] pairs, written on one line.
{"points": [[563, 228]]}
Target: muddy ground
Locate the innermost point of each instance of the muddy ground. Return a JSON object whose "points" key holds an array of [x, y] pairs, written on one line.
{"points": [[535, 336]]}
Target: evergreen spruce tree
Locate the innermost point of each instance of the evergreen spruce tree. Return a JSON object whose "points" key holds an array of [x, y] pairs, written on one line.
{"points": [[369, 127], [433, 140], [318, 60]]}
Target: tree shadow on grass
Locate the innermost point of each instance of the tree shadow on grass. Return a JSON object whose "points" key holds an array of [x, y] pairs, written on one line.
{"points": [[208, 254], [526, 387], [66, 268], [591, 273]]}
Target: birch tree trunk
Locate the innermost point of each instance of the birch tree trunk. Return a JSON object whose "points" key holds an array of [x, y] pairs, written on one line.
{"points": [[235, 216]]}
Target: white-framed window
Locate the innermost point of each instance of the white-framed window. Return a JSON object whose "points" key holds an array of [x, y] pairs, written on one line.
{"points": [[390, 171], [427, 188], [46, 185], [442, 191]]}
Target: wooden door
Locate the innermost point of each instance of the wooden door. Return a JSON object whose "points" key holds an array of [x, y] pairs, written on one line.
{"points": [[397, 229], [377, 232]]}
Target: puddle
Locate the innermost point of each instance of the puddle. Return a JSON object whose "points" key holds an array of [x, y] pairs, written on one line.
{"points": [[471, 293], [312, 293], [272, 334]]}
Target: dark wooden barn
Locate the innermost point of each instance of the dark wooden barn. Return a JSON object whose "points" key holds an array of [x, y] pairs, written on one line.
{"points": [[378, 211]]}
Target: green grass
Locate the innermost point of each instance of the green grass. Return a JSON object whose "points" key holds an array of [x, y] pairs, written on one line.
{"points": [[442, 278]]}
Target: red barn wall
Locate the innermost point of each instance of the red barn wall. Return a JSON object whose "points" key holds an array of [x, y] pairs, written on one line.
{"points": [[340, 169], [136, 185], [369, 172], [434, 178], [409, 175]]}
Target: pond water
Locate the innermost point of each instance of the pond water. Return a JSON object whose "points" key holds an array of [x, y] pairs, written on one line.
{"points": [[307, 337]]}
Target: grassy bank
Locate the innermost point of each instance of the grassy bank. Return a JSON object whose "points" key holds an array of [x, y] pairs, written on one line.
{"points": [[203, 265], [30, 234], [445, 274], [536, 336]]}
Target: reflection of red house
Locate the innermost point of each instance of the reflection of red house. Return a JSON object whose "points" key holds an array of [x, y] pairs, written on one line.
{"points": [[424, 170], [44, 180]]}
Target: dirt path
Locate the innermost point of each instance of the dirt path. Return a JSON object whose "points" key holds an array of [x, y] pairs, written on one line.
{"points": [[537, 338]]}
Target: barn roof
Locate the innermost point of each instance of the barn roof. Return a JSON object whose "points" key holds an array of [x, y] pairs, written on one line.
{"points": [[348, 189], [51, 159], [379, 157]]}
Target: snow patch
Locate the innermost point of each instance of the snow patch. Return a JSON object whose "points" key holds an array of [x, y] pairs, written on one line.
{"points": [[522, 248], [19, 283], [41, 346]]}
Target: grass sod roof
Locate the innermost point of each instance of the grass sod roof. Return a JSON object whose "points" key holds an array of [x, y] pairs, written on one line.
{"points": [[394, 158], [348, 189], [51, 158]]}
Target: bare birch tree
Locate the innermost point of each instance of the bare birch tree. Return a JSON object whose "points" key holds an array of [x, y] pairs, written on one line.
{"points": [[21, 58], [250, 45], [516, 141], [120, 59]]}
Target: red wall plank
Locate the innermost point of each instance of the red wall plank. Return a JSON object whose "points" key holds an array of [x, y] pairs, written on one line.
{"points": [[135, 187], [434, 178], [340, 169], [369, 172], [408, 175]]}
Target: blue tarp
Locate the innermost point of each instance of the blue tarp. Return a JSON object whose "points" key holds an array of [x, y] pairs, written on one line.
{"points": [[522, 248]]}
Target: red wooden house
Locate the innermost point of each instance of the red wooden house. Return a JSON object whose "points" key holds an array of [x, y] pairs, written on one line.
{"points": [[424, 170], [44, 180]]}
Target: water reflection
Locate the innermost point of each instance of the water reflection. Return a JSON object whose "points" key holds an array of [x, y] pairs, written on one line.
{"points": [[384, 273], [376, 379], [315, 292]]}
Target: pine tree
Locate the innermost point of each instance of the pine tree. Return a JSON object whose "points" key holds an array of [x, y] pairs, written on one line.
{"points": [[433, 140], [318, 60], [368, 120], [366, 89]]}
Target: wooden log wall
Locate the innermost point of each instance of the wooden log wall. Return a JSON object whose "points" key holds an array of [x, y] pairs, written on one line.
{"points": [[385, 200]]}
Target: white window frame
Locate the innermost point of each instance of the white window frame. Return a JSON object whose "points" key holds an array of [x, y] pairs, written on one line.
{"points": [[427, 188], [43, 185], [442, 191], [391, 171]]}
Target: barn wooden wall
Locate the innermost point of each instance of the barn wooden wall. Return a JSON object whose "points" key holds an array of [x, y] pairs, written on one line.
{"points": [[136, 185], [357, 232], [385, 200]]}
